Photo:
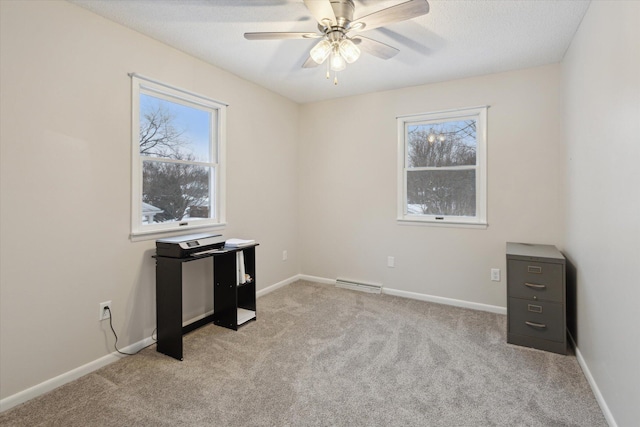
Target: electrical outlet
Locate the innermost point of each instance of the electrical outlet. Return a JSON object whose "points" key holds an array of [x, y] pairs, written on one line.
{"points": [[284, 255], [391, 262], [495, 274], [104, 313]]}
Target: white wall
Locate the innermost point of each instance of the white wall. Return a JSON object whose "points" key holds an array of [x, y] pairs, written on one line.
{"points": [[348, 186], [65, 186], [601, 82]]}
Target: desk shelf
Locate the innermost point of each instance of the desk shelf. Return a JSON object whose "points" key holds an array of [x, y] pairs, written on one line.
{"points": [[229, 297], [244, 316]]}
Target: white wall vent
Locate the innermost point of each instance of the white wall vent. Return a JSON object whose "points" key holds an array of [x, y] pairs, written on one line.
{"points": [[359, 286]]}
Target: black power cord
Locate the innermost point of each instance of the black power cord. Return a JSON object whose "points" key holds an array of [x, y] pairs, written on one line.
{"points": [[115, 345]]}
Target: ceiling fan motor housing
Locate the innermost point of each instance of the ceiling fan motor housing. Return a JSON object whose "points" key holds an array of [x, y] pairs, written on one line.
{"points": [[343, 9]]}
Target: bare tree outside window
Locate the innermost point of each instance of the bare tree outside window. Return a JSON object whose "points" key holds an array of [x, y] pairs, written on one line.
{"points": [[441, 174], [172, 179], [159, 136]]}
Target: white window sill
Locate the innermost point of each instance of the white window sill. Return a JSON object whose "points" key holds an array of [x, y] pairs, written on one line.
{"points": [[140, 236], [437, 223]]}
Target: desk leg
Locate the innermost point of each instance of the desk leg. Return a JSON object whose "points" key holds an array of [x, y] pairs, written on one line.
{"points": [[169, 306]]}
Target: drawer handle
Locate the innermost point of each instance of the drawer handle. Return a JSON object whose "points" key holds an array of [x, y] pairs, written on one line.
{"points": [[534, 286], [534, 269], [536, 325]]}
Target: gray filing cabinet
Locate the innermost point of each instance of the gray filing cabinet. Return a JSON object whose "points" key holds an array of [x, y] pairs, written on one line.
{"points": [[536, 297]]}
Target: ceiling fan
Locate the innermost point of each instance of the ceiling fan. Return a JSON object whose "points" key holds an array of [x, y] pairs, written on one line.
{"points": [[336, 26]]}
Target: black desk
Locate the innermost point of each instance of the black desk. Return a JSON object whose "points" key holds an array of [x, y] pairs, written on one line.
{"points": [[227, 296]]}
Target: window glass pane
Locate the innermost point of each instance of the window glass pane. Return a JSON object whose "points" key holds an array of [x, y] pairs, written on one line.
{"points": [[174, 131], [441, 192], [450, 143], [175, 192]]}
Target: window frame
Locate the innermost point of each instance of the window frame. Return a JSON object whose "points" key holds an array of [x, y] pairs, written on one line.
{"points": [[480, 219], [217, 180]]}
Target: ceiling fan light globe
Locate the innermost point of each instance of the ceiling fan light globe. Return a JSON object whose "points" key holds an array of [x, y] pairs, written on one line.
{"points": [[320, 51], [337, 63], [349, 51]]}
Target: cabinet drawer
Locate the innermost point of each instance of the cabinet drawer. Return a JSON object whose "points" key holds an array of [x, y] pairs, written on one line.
{"points": [[537, 319], [535, 280]]}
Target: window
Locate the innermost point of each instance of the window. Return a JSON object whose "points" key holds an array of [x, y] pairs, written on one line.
{"points": [[178, 142], [442, 167]]}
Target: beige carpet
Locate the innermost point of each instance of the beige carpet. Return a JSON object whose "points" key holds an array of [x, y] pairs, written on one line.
{"points": [[322, 356]]}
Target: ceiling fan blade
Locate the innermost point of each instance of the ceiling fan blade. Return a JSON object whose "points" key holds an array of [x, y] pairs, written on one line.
{"points": [[400, 12], [375, 48], [322, 11], [280, 36], [310, 63]]}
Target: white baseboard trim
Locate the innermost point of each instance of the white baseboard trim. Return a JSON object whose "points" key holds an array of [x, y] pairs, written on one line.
{"points": [[446, 301], [74, 374], [316, 279], [608, 416], [48, 385], [269, 289], [196, 318], [62, 379], [420, 297]]}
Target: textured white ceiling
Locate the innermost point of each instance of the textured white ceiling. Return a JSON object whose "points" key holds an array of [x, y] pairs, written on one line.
{"points": [[456, 39]]}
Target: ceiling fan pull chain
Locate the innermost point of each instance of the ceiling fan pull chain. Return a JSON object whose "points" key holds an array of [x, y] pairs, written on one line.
{"points": [[335, 79]]}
